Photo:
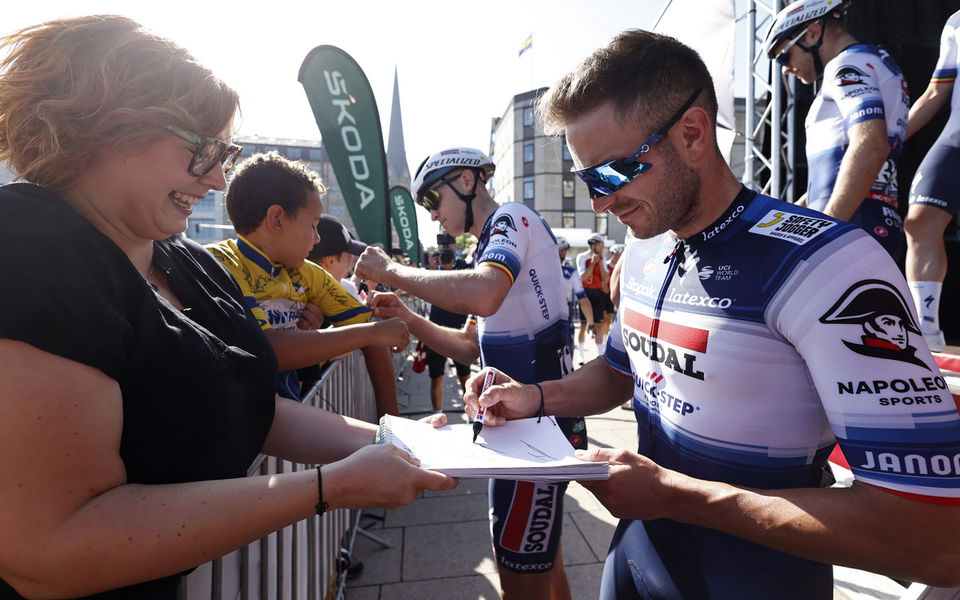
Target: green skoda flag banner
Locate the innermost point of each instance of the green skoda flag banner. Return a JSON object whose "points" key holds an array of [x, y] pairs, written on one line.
{"points": [[405, 222], [346, 113]]}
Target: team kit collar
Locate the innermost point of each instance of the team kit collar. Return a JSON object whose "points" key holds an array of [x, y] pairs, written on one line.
{"points": [[725, 223], [256, 256]]}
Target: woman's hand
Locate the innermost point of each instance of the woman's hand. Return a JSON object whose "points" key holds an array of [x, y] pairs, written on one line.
{"points": [[379, 476]]}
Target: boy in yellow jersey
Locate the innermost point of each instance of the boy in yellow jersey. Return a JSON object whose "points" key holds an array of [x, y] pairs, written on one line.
{"points": [[275, 205]]}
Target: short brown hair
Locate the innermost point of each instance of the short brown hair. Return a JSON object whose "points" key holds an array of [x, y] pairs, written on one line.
{"points": [[70, 88], [646, 75], [263, 180]]}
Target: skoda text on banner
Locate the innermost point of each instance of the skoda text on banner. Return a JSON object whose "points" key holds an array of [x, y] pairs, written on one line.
{"points": [[405, 222], [346, 113]]}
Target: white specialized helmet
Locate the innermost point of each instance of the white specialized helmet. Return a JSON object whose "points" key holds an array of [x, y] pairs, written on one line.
{"points": [[562, 242], [796, 15], [438, 165]]}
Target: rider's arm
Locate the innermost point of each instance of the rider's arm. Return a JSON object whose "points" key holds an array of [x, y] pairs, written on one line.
{"points": [[928, 105], [478, 291], [868, 150], [941, 82]]}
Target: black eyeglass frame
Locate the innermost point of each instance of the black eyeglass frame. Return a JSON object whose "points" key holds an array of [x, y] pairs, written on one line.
{"points": [[222, 152]]}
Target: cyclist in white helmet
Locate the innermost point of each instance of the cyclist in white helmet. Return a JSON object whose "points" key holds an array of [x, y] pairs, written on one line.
{"points": [[855, 126], [516, 290]]}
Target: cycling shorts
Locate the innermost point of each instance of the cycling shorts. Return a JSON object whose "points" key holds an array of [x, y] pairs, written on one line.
{"points": [[437, 362], [598, 301], [527, 517], [884, 223], [666, 560], [938, 179]]}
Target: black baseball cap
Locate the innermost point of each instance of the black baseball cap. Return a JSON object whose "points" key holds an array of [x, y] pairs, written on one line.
{"points": [[335, 238]]}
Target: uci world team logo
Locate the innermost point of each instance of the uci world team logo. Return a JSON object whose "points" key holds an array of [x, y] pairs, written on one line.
{"points": [[885, 321], [502, 225]]}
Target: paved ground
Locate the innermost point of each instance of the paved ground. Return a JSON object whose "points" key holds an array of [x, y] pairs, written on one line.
{"points": [[440, 543]]}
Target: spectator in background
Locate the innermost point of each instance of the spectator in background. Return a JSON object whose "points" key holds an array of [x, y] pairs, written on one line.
{"points": [[616, 251], [447, 260], [337, 252], [275, 205], [575, 297], [934, 197], [596, 281]]}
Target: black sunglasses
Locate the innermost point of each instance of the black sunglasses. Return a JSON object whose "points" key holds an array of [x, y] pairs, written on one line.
{"points": [[606, 178], [430, 198], [207, 152], [783, 58]]}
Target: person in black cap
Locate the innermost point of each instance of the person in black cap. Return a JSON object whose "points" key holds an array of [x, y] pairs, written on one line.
{"points": [[337, 251], [275, 206]]}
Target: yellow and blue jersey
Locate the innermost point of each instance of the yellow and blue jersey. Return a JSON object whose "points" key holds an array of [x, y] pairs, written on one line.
{"points": [[276, 295]]}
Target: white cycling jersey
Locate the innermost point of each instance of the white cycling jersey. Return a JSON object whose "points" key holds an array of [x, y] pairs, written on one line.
{"points": [[946, 70], [754, 346], [861, 83], [769, 336], [527, 335]]}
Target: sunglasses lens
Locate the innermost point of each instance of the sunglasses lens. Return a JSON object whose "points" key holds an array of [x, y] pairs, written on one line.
{"points": [[429, 199], [606, 179]]}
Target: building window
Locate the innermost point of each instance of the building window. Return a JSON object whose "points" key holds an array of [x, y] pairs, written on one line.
{"points": [[567, 188], [316, 154], [528, 116], [528, 152], [600, 224], [568, 220], [207, 204], [528, 188]]}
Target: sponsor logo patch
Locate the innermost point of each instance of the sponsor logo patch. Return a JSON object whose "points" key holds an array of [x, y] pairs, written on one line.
{"points": [[530, 520], [885, 320], [791, 227], [502, 225]]}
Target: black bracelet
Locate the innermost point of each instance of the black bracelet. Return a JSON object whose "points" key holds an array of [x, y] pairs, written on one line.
{"points": [[540, 411], [321, 505]]}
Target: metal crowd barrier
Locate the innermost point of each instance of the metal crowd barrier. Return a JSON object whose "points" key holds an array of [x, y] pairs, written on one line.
{"points": [[307, 559]]}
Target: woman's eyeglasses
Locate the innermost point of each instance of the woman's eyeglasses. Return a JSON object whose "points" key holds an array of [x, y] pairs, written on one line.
{"points": [[208, 151], [606, 178]]}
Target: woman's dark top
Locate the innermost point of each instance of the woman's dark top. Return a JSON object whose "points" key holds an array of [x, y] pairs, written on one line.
{"points": [[198, 386]]}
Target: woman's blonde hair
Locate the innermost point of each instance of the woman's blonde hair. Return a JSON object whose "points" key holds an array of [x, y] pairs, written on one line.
{"points": [[70, 88]]}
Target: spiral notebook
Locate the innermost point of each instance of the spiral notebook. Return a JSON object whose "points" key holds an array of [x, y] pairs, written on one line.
{"points": [[523, 450]]}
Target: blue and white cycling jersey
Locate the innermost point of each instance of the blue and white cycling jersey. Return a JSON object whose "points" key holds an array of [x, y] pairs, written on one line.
{"points": [[859, 84], [937, 180], [776, 332], [754, 346], [946, 72], [527, 335], [572, 284]]}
